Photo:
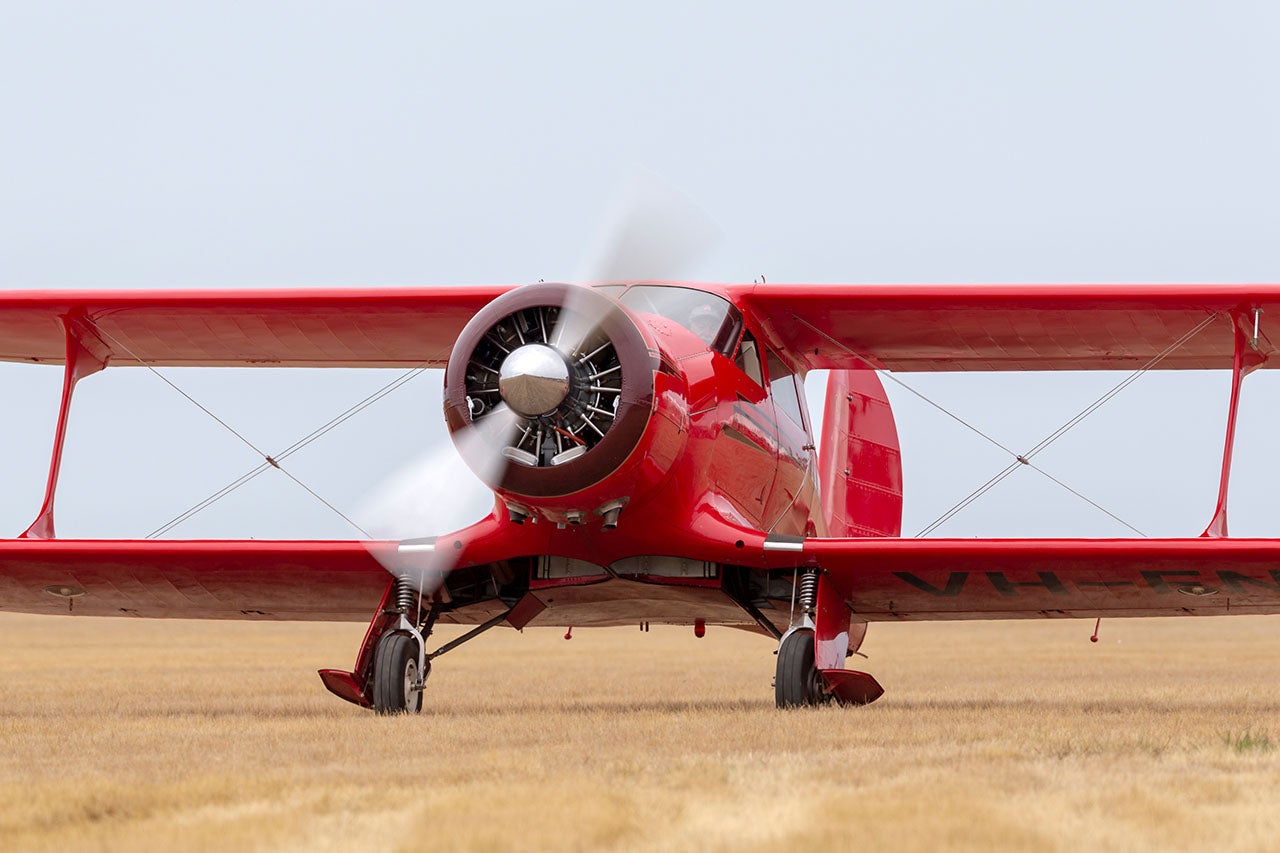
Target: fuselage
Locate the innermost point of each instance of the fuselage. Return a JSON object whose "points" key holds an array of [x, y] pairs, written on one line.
{"points": [[725, 457]]}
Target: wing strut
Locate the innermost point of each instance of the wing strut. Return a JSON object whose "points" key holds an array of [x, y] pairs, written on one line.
{"points": [[86, 355], [1249, 356]]}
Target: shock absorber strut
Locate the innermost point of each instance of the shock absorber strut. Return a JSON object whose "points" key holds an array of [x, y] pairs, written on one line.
{"points": [[808, 592], [404, 594]]}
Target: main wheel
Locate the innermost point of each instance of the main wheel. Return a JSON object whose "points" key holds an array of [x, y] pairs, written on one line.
{"points": [[797, 681], [395, 676]]}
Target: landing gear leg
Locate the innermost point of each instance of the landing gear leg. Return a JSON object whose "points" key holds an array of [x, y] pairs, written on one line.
{"points": [[797, 681], [812, 652], [400, 662], [393, 664]]}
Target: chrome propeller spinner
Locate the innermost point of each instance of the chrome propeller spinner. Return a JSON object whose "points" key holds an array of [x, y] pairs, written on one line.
{"points": [[558, 374], [534, 380]]}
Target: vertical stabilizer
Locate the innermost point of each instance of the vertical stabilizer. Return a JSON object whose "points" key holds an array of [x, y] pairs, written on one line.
{"points": [[860, 467]]}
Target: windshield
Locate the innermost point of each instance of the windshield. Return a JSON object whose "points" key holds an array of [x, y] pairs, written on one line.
{"points": [[712, 319]]}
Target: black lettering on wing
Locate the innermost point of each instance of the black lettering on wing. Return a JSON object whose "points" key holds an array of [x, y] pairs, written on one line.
{"points": [[955, 583], [1048, 580], [1238, 581], [1159, 581]]}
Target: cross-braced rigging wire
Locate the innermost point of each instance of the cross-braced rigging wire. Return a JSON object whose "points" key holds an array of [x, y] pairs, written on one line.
{"points": [[289, 451], [1025, 458], [268, 461], [885, 374]]}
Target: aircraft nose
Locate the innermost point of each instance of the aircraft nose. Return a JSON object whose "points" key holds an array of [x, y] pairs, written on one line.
{"points": [[534, 380]]}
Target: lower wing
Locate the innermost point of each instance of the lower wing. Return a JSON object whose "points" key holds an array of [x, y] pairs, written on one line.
{"points": [[934, 579], [879, 578], [312, 580]]}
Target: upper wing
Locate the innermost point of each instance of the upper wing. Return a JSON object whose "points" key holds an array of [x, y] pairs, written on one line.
{"points": [[207, 580], [1012, 327], [901, 327], [926, 579], [228, 328]]}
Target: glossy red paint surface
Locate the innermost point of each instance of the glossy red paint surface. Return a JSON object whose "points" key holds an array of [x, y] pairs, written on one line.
{"points": [[902, 327], [80, 362], [338, 327], [861, 465], [195, 579], [344, 685], [1245, 360], [1007, 327], [734, 418], [832, 619], [850, 687], [716, 465]]}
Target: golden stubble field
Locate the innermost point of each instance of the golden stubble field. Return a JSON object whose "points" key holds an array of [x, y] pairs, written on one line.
{"points": [[122, 734]]}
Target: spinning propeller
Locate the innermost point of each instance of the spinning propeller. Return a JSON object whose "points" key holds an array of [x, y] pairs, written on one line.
{"points": [[539, 380], [544, 385]]}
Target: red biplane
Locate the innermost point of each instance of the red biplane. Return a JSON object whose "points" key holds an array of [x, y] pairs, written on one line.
{"points": [[652, 460]]}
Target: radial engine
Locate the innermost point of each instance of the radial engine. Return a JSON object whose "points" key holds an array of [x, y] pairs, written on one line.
{"points": [[564, 404]]}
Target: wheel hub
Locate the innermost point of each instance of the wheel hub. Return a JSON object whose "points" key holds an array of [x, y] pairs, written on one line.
{"points": [[411, 685]]}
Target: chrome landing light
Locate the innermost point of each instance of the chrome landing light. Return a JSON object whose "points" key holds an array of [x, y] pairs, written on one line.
{"points": [[66, 591]]}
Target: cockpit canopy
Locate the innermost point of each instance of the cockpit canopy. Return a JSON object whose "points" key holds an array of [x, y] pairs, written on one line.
{"points": [[713, 319]]}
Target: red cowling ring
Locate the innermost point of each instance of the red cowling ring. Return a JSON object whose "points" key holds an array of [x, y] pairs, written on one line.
{"points": [[634, 406]]}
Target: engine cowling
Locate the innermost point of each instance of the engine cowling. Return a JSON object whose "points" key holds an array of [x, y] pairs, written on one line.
{"points": [[552, 387]]}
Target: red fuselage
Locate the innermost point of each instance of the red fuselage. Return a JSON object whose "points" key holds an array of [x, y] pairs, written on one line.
{"points": [[723, 457]]}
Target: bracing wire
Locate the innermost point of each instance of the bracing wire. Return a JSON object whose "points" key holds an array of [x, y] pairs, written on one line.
{"points": [[315, 434], [1025, 458], [268, 461]]}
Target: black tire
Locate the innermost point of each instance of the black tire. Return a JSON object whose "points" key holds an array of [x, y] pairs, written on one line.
{"points": [[395, 667], [797, 682]]}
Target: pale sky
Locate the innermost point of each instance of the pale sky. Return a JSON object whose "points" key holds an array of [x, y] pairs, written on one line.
{"points": [[302, 144]]}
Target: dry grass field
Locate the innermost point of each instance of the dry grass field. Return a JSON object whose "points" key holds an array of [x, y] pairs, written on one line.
{"points": [[120, 734]]}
